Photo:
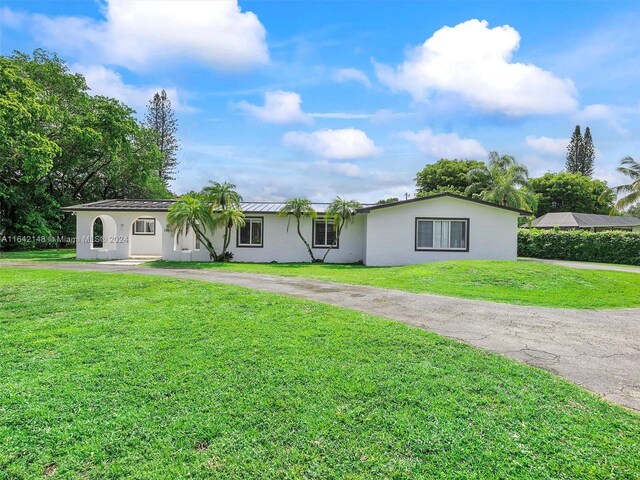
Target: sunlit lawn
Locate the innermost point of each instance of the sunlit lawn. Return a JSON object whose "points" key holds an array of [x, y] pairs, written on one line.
{"points": [[106, 376]]}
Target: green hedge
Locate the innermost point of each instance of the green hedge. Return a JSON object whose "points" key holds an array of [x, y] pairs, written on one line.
{"points": [[605, 247]]}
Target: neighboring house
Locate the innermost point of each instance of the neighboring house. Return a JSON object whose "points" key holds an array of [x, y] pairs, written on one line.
{"points": [[586, 221], [439, 227]]}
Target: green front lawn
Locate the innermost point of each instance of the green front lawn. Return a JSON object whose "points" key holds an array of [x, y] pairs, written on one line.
{"points": [[522, 283], [125, 376], [52, 255]]}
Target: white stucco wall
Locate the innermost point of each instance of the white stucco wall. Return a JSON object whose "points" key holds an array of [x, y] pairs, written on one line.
{"points": [[120, 243], [279, 245], [384, 236], [390, 233]]}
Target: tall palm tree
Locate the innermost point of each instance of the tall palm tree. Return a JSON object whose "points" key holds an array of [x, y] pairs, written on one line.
{"points": [[231, 217], [224, 201], [191, 212], [298, 208], [631, 168], [503, 181], [222, 195], [342, 212]]}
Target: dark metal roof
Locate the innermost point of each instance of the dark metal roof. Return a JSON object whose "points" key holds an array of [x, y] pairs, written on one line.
{"points": [[583, 220], [367, 209], [125, 205], [150, 205]]}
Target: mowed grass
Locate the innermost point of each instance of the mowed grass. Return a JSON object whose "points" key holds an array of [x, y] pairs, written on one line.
{"points": [[50, 255], [106, 376], [523, 283]]}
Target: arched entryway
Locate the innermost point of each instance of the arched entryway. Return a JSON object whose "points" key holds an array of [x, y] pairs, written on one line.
{"points": [[103, 233]]}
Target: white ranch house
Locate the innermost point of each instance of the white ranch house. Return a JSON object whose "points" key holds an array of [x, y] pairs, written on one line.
{"points": [[427, 229]]}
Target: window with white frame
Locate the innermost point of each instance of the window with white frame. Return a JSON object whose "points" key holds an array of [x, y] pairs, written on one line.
{"points": [[144, 226], [250, 235], [196, 242], [442, 234], [324, 234]]}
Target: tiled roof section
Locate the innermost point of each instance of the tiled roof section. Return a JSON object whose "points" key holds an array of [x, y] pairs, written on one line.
{"points": [[163, 205], [583, 220]]}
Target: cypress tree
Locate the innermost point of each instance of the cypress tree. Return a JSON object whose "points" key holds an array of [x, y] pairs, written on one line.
{"points": [[589, 154], [575, 152], [160, 119]]}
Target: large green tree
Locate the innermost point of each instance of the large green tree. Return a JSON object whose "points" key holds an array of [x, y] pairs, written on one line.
{"points": [[445, 176], [62, 145], [160, 119], [503, 181], [26, 152], [571, 192]]}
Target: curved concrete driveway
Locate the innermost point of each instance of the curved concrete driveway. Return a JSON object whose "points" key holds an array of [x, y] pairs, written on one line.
{"points": [[598, 349]]}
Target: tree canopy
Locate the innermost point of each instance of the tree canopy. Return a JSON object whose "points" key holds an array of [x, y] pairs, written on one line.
{"points": [[503, 181], [59, 145], [630, 191], [571, 192], [445, 176]]}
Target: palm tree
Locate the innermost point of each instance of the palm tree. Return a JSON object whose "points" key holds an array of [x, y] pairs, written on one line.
{"points": [[298, 208], [631, 168], [225, 201], [503, 181], [342, 212], [231, 217], [191, 212], [222, 194]]}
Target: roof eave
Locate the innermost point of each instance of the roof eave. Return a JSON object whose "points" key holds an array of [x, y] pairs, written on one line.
{"points": [[523, 213]]}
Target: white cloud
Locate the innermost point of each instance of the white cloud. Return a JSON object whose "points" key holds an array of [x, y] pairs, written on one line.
{"points": [[339, 144], [103, 81], [344, 168], [139, 33], [444, 145], [279, 107], [352, 75], [552, 146], [473, 61]]}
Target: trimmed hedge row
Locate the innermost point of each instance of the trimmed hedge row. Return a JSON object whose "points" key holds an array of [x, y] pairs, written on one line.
{"points": [[606, 247]]}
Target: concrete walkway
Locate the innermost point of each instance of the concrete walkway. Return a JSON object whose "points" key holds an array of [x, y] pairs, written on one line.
{"points": [[598, 349], [583, 265]]}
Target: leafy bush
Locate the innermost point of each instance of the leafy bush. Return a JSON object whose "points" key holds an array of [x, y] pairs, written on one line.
{"points": [[606, 247]]}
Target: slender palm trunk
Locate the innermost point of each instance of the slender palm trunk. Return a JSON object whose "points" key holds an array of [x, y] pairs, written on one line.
{"points": [[227, 238], [335, 241], [306, 244], [207, 243]]}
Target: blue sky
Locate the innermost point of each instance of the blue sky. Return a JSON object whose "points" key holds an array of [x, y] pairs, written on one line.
{"points": [[353, 98]]}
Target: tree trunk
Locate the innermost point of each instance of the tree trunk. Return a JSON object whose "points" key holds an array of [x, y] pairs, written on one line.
{"points": [[207, 243], [306, 244], [335, 241], [227, 238]]}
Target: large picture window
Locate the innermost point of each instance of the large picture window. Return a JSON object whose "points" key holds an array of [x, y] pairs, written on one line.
{"points": [[442, 234], [250, 235], [324, 234], [144, 226]]}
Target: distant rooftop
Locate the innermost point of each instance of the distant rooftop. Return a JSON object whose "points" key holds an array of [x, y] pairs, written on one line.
{"points": [[583, 220]]}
